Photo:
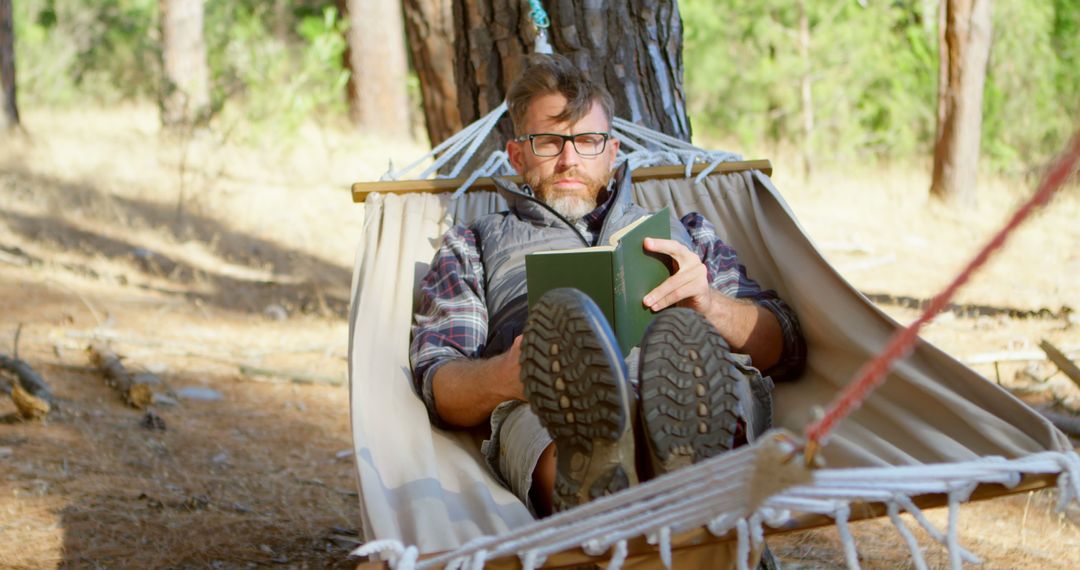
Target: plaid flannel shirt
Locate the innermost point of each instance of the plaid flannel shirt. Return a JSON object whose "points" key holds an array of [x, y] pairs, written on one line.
{"points": [[452, 320]]}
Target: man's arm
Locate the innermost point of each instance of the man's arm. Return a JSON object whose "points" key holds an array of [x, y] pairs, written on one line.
{"points": [[467, 391], [748, 328], [448, 337], [753, 320]]}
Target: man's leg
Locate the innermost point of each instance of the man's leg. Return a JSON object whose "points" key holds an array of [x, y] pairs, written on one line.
{"points": [[697, 398], [576, 385], [543, 482], [689, 391]]}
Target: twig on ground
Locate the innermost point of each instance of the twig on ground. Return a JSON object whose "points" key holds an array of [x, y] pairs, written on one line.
{"points": [[1061, 361], [196, 347], [135, 394], [294, 377], [84, 300], [15, 344]]}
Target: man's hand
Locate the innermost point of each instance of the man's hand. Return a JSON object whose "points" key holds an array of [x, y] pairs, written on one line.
{"points": [[467, 391], [687, 287], [747, 328]]}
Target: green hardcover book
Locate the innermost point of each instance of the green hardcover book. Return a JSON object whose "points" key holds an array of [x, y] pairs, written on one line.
{"points": [[617, 276]]}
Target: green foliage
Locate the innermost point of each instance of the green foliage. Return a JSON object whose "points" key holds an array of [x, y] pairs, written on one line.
{"points": [[874, 76], [273, 65], [1023, 114], [872, 66], [68, 51], [275, 83]]}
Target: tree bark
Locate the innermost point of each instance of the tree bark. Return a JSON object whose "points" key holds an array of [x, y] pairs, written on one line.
{"points": [[429, 26], [376, 91], [185, 93], [632, 47], [9, 109], [964, 49]]}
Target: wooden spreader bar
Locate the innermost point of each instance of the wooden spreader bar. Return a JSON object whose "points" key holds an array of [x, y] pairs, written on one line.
{"points": [[360, 190]]}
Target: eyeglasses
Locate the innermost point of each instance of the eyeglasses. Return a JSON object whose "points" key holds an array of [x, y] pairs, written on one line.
{"points": [[551, 144]]}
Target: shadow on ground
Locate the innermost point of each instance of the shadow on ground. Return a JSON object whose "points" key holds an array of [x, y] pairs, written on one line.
{"points": [[274, 274], [248, 481]]}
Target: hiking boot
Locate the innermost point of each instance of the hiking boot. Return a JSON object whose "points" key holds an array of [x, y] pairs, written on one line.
{"points": [[689, 401], [575, 382]]}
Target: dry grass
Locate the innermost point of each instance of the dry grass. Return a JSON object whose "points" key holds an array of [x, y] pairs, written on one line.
{"points": [[186, 253]]}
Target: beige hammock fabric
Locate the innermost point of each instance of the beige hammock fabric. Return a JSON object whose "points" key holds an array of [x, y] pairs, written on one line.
{"points": [[429, 488]]}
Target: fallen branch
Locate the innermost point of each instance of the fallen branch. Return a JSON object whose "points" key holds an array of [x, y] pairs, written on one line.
{"points": [[135, 394], [1063, 363], [1066, 423], [30, 393], [294, 377], [208, 346], [970, 309]]}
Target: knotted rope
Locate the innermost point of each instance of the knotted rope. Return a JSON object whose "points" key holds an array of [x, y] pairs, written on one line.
{"points": [[542, 23]]}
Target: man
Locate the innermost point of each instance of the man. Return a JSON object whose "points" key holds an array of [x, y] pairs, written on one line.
{"points": [[575, 440]]}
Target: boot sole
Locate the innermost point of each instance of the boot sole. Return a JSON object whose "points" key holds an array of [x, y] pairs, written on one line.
{"points": [[689, 404], [576, 385]]}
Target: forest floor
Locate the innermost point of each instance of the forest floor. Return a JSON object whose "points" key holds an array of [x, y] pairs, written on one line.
{"points": [[224, 271]]}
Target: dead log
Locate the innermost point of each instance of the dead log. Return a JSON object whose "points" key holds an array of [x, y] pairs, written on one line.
{"points": [[30, 393], [1063, 363], [135, 394], [1070, 425]]}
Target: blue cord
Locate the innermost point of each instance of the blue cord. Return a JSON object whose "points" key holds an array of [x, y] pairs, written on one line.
{"points": [[539, 16]]}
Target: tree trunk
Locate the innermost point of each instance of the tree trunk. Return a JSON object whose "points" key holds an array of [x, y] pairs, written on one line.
{"points": [[429, 25], [964, 49], [9, 110], [376, 91], [185, 93], [634, 48]]}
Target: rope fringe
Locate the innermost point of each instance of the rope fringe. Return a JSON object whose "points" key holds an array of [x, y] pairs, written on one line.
{"points": [[905, 533], [843, 514], [742, 549], [713, 494]]}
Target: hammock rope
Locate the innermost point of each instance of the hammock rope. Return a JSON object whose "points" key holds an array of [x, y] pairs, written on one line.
{"points": [[874, 373], [632, 512]]}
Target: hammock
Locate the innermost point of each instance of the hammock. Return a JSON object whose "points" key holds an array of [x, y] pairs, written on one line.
{"points": [[935, 433]]}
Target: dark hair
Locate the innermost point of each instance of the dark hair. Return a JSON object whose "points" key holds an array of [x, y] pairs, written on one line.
{"points": [[545, 74]]}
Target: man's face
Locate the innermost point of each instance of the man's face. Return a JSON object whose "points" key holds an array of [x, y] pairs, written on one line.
{"points": [[568, 182]]}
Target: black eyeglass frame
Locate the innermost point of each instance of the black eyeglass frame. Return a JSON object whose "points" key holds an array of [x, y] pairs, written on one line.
{"points": [[532, 142]]}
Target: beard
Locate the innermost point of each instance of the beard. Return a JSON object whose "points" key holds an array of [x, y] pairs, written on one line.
{"points": [[573, 207]]}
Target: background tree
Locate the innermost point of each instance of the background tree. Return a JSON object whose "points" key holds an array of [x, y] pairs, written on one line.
{"points": [[9, 110], [633, 48], [964, 35], [429, 26], [871, 69], [185, 90], [375, 54]]}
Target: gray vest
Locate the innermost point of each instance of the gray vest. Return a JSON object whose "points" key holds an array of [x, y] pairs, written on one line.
{"points": [[504, 238]]}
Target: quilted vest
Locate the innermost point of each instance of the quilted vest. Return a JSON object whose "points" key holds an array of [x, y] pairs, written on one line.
{"points": [[505, 238]]}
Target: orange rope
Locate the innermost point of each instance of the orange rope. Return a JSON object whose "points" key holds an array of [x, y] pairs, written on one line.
{"points": [[873, 373]]}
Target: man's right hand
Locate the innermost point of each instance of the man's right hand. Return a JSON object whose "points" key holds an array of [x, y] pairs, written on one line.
{"points": [[467, 391]]}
